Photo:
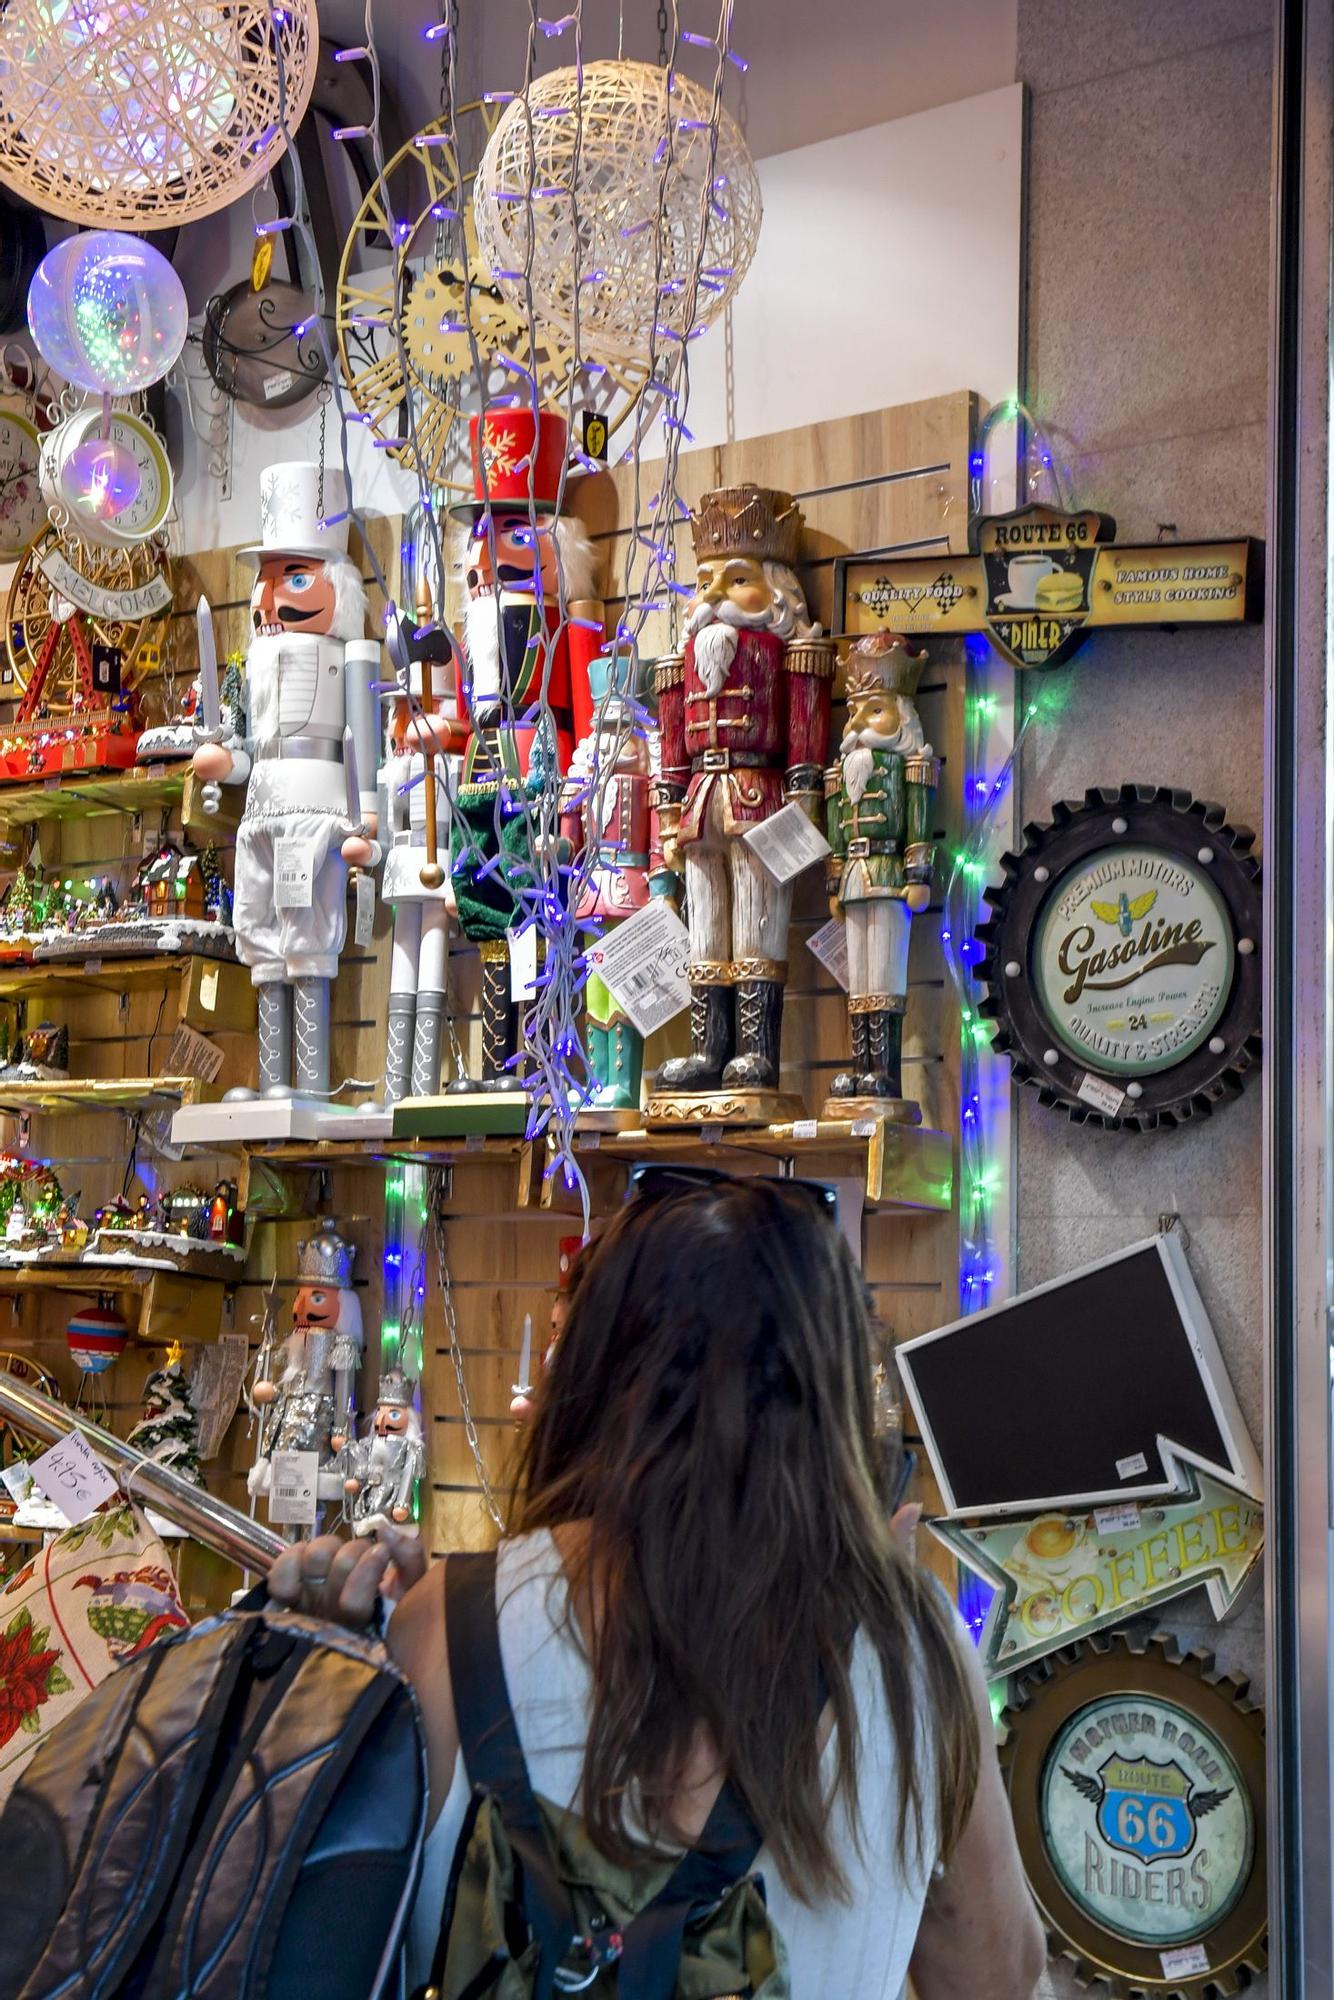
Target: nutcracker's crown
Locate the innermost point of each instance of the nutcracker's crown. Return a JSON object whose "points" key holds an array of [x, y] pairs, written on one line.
{"points": [[396, 1390], [747, 521], [882, 663], [326, 1258]]}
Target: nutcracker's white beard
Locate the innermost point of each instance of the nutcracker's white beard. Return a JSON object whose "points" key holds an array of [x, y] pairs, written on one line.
{"points": [[909, 739], [715, 648], [858, 764], [481, 627]]}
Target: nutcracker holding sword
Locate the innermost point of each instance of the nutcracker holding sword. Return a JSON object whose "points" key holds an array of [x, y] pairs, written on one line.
{"points": [[311, 730]]}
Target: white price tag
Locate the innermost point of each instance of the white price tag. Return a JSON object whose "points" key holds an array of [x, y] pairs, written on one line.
{"points": [[829, 945], [523, 963], [788, 843], [1103, 1096], [208, 989], [292, 1497], [363, 927], [1130, 1468], [1184, 1961], [73, 1478], [278, 383], [642, 963], [193, 1054], [805, 1128], [294, 871], [1113, 1520]]}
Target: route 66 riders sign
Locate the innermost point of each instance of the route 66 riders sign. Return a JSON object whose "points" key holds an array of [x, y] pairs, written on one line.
{"points": [[1122, 961], [1136, 1778]]}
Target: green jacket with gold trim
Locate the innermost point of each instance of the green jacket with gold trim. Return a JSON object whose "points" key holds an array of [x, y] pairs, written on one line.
{"points": [[881, 842]]}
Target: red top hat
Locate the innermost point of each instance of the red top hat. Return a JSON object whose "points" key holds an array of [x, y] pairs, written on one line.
{"points": [[523, 457]]}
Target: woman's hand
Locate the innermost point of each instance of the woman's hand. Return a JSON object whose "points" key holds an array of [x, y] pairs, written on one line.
{"points": [[340, 1580]]}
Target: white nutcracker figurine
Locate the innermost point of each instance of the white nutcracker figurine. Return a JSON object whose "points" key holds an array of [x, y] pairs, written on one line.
{"points": [[415, 794], [383, 1467], [311, 1406], [311, 730]]}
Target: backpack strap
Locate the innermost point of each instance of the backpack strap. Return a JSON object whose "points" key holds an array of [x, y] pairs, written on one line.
{"points": [[724, 1853], [494, 1759]]}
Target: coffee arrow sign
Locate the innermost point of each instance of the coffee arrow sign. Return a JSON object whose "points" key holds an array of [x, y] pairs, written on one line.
{"points": [[1059, 1576]]}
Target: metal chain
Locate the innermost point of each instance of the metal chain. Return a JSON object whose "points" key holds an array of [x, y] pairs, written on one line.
{"points": [[662, 34], [325, 393], [436, 1198]]}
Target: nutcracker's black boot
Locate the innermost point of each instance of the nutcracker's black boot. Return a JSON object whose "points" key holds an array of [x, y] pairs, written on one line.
{"points": [[759, 1025], [500, 1023], [883, 1076], [710, 1043], [845, 1084]]}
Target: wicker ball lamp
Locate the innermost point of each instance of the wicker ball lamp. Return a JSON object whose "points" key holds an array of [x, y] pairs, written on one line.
{"points": [[143, 113], [619, 179]]}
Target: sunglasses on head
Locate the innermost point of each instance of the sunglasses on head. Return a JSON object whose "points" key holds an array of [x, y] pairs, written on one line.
{"points": [[655, 1180]]}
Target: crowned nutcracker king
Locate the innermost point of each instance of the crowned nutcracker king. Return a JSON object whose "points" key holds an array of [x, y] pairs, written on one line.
{"points": [[744, 718]]}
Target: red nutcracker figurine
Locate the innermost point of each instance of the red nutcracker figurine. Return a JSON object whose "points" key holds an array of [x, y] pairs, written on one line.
{"points": [[744, 719], [518, 648]]}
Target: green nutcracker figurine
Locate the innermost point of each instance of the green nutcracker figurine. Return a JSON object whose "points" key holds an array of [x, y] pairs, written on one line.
{"points": [[878, 800]]}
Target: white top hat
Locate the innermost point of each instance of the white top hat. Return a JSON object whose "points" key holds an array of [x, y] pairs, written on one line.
{"points": [[289, 516]]}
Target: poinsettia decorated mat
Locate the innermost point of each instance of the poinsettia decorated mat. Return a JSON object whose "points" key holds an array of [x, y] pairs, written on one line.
{"points": [[95, 1594]]}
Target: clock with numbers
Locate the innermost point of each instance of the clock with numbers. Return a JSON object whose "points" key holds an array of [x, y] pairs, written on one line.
{"points": [[22, 507], [79, 480]]}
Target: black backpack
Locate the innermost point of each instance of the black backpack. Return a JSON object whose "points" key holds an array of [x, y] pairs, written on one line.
{"points": [[237, 1814], [533, 1910]]}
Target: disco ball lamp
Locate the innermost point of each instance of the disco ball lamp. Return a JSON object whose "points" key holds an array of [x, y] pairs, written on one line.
{"points": [[107, 312], [620, 195], [146, 113]]}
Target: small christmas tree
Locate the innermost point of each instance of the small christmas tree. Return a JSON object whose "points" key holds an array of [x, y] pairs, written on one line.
{"points": [[215, 889], [168, 1430]]}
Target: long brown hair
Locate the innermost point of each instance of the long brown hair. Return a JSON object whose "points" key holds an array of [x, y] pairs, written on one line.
{"points": [[708, 1415]]}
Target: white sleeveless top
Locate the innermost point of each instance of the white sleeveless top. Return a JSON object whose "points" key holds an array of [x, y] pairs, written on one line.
{"points": [[861, 1946]]}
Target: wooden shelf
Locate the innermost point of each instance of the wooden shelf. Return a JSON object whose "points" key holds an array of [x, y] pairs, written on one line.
{"points": [[171, 1306], [99, 1093], [79, 795], [114, 975], [905, 1167]]}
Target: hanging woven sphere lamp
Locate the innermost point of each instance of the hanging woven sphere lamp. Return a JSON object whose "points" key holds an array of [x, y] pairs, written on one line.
{"points": [[621, 176], [143, 113]]}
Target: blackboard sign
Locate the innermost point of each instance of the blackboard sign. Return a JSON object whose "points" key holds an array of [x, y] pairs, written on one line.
{"points": [[1060, 1398]]}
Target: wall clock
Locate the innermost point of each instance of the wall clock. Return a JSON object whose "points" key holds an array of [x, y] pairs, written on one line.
{"points": [[77, 498], [1122, 963], [1136, 1777], [411, 263], [22, 506]]}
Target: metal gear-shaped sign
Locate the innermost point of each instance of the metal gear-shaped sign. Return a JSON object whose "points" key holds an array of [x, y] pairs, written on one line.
{"points": [[1136, 1777]]}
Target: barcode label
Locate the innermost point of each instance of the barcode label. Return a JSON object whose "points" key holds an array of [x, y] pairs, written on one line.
{"points": [[292, 1488]]}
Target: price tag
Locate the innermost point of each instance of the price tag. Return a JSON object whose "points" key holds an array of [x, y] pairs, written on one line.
{"points": [[363, 927], [1103, 1096], [805, 1128], [1185, 1960], [73, 1478], [294, 871], [523, 963], [193, 1054], [1130, 1468], [292, 1498], [208, 989], [787, 843], [1113, 1520], [864, 1128], [278, 383], [829, 946], [642, 963]]}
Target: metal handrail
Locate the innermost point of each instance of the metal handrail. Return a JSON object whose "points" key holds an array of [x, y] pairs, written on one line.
{"points": [[203, 1516]]}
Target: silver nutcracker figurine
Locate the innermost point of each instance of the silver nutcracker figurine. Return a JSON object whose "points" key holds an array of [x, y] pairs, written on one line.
{"points": [[878, 800], [382, 1468], [310, 1404], [311, 730], [425, 740]]}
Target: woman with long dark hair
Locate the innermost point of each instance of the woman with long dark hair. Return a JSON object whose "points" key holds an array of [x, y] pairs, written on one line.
{"points": [[701, 1581]]}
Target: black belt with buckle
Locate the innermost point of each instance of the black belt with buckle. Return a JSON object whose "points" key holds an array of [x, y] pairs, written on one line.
{"points": [[729, 760], [862, 848]]}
